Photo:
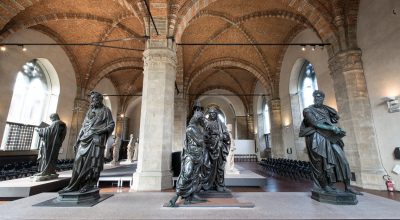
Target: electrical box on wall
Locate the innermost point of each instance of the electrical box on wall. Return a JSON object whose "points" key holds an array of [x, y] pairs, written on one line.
{"points": [[397, 153]]}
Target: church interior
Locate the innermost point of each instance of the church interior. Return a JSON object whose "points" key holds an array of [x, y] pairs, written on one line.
{"points": [[257, 62]]}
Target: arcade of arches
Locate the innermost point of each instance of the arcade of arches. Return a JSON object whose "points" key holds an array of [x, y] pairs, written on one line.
{"points": [[153, 85]]}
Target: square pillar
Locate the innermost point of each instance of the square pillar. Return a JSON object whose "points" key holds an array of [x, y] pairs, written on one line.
{"points": [[156, 121], [277, 147], [356, 119]]}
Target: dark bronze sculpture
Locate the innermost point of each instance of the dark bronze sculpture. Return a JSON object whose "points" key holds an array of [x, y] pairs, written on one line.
{"points": [[217, 142], [325, 149], [89, 148], [51, 139], [192, 158]]}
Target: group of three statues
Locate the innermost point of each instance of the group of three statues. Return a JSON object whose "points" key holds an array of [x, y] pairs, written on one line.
{"points": [[203, 157]]}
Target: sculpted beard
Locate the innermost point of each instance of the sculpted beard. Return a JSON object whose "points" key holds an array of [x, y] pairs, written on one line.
{"points": [[96, 104]]}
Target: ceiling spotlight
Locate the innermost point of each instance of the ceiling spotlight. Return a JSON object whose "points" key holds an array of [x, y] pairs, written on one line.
{"points": [[303, 47], [313, 48], [24, 48], [3, 48]]}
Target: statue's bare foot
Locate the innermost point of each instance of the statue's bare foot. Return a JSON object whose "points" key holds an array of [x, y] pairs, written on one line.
{"points": [[171, 203]]}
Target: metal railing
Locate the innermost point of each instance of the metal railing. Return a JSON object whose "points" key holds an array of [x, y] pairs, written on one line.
{"points": [[19, 137]]}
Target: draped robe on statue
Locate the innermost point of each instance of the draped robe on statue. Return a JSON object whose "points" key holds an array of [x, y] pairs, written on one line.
{"points": [[217, 143], [191, 161], [89, 159], [51, 139], [325, 148]]}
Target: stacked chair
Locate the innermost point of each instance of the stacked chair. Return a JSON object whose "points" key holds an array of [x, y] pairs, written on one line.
{"points": [[245, 158], [294, 169], [22, 169]]}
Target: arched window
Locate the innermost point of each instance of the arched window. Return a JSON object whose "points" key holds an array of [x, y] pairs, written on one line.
{"points": [[307, 84], [35, 97], [267, 123]]}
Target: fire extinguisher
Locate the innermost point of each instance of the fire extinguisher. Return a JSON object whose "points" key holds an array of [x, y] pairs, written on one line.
{"points": [[389, 183]]}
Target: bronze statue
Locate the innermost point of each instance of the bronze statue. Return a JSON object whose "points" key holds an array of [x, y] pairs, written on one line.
{"points": [[325, 147], [51, 139], [192, 158], [217, 141], [89, 148]]}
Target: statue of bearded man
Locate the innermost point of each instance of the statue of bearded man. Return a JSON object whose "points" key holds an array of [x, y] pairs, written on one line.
{"points": [[89, 148]]}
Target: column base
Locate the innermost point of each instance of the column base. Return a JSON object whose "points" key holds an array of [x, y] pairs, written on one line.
{"points": [[151, 181], [372, 179]]}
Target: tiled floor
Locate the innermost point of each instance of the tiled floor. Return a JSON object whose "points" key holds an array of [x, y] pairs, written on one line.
{"points": [[274, 184]]}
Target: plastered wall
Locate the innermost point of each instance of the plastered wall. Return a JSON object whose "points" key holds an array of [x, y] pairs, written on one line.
{"points": [[378, 37], [12, 60]]}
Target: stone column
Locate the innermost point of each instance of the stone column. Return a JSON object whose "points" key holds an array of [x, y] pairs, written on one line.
{"points": [[276, 129], [299, 142], [80, 108], [179, 122], [121, 127], [250, 126], [156, 121], [356, 119]]}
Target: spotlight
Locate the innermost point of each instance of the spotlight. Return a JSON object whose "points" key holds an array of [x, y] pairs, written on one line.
{"points": [[3, 48], [24, 48], [313, 48], [303, 47]]}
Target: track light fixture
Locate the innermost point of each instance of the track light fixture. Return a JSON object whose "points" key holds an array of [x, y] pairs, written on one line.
{"points": [[303, 47]]}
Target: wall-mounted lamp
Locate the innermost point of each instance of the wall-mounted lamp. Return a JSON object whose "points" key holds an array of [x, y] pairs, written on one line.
{"points": [[393, 104]]}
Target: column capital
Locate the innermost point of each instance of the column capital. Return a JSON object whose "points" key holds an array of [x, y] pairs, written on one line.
{"points": [[81, 104], [275, 104], [346, 61], [154, 57]]}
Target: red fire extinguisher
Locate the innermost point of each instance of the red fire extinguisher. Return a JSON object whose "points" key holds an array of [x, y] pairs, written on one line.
{"points": [[389, 183]]}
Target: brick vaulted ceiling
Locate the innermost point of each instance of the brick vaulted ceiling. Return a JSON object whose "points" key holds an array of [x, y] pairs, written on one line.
{"points": [[202, 68]]}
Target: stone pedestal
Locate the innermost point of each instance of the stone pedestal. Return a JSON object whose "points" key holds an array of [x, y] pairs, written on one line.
{"points": [[77, 197], [156, 122], [37, 178], [276, 129], [356, 119], [340, 198]]}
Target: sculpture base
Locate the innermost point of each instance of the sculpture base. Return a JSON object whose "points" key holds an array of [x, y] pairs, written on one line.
{"points": [[338, 198], [39, 178], [76, 199], [233, 171], [215, 194]]}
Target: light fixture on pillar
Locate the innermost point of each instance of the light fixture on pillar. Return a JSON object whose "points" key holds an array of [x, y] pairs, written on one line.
{"points": [[392, 104]]}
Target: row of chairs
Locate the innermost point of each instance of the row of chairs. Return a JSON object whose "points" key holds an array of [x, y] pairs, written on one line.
{"points": [[245, 158], [294, 169], [16, 170]]}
